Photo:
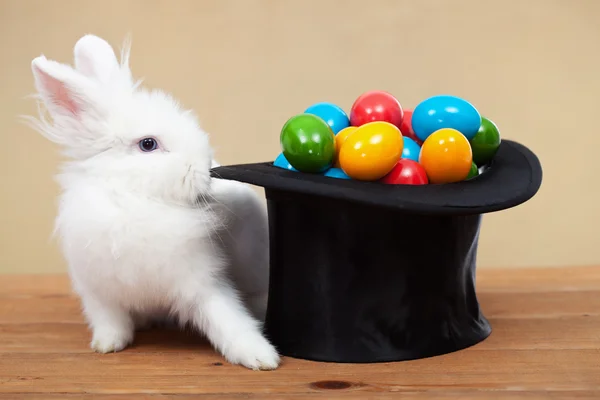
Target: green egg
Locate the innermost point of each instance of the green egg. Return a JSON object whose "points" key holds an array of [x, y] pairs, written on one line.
{"points": [[473, 172], [308, 143], [485, 143]]}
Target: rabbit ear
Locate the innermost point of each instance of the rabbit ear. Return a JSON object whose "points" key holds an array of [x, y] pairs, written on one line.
{"points": [[64, 91], [95, 58]]}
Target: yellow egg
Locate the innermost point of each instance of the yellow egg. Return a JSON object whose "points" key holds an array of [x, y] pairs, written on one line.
{"points": [[339, 139], [446, 156], [371, 151]]}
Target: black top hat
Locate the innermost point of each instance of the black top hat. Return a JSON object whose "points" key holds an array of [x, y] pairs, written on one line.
{"points": [[513, 177], [365, 271]]}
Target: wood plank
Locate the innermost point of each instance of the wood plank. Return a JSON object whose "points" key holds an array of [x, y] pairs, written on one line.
{"points": [[75, 338], [551, 333], [64, 308], [41, 309], [186, 372], [511, 334], [334, 394], [545, 345], [538, 279], [33, 284], [488, 279], [540, 304]]}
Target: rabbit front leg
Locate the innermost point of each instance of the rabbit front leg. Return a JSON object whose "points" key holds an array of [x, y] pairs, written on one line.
{"points": [[112, 326], [232, 330]]}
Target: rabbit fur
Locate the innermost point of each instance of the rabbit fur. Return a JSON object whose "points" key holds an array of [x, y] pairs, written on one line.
{"points": [[148, 232]]}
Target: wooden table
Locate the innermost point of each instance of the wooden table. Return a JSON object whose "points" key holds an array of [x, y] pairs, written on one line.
{"points": [[545, 345]]}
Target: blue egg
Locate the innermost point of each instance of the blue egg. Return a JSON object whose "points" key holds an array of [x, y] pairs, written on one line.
{"points": [[411, 149], [282, 162], [335, 117], [336, 173], [445, 111]]}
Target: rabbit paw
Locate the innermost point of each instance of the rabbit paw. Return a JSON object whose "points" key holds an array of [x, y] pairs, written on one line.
{"points": [[254, 352], [108, 340]]}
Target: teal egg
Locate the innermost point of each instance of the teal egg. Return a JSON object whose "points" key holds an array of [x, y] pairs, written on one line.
{"points": [[336, 173], [444, 111], [282, 162]]}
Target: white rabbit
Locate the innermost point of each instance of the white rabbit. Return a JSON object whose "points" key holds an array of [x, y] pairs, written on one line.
{"points": [[143, 227]]}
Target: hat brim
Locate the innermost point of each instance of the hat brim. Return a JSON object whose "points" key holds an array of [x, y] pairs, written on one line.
{"points": [[514, 176]]}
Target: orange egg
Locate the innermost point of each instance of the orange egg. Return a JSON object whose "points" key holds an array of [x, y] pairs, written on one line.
{"points": [[371, 151], [339, 139], [446, 156]]}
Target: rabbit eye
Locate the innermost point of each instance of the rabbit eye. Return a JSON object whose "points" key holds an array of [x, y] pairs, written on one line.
{"points": [[148, 144]]}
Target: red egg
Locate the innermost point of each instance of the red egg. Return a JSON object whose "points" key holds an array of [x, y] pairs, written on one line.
{"points": [[376, 106], [406, 127], [406, 172]]}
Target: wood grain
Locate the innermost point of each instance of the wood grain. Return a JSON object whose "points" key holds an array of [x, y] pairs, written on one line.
{"points": [[65, 308], [508, 334], [451, 394], [539, 279], [545, 344]]}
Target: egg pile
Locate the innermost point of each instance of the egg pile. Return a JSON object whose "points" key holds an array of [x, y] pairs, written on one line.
{"points": [[443, 140]]}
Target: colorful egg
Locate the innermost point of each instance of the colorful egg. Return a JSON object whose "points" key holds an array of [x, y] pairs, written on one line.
{"points": [[335, 117], [308, 144], [376, 106], [446, 156], [371, 151], [473, 172], [282, 162], [440, 112], [406, 127], [486, 142], [411, 149], [340, 138], [336, 173], [406, 172]]}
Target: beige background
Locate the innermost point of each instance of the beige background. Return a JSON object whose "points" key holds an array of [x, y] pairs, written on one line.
{"points": [[246, 66]]}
